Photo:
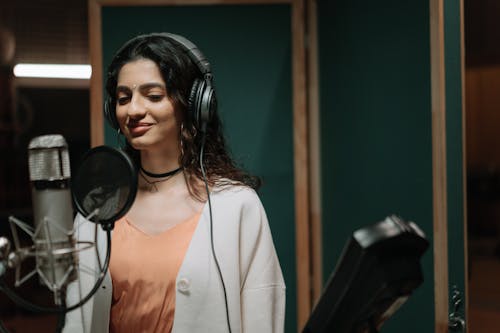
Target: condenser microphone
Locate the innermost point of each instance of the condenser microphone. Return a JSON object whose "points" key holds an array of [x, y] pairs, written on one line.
{"points": [[103, 190], [49, 171]]}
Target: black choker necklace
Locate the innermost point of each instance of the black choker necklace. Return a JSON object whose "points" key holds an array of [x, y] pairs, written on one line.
{"points": [[160, 175]]}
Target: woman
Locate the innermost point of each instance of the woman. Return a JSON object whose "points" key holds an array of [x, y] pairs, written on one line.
{"points": [[181, 261]]}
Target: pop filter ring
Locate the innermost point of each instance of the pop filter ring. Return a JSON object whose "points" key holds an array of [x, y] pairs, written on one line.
{"points": [[108, 223]]}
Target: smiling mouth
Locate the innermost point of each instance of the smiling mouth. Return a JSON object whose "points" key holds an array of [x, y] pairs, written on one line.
{"points": [[138, 128]]}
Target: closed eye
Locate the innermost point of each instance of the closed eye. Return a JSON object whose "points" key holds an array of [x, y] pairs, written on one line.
{"points": [[155, 98], [123, 100]]}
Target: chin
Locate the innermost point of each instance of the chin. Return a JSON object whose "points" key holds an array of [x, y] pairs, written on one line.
{"points": [[144, 143], [140, 143]]}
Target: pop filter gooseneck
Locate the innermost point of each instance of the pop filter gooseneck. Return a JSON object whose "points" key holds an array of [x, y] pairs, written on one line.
{"points": [[103, 190]]}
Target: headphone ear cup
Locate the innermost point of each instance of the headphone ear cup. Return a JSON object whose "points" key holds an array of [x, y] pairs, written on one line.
{"points": [[208, 105], [202, 103], [110, 114], [193, 103]]}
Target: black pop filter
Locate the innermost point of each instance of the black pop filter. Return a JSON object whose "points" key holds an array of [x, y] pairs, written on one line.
{"points": [[105, 185]]}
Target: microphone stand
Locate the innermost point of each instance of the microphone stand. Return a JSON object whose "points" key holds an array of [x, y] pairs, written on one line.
{"points": [[61, 319]]}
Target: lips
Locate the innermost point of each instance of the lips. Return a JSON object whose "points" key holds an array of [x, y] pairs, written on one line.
{"points": [[138, 128]]}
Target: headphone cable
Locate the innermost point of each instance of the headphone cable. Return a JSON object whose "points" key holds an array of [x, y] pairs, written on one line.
{"points": [[212, 230]]}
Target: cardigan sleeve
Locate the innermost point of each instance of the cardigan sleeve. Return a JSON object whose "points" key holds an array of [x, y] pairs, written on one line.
{"points": [[262, 284], [88, 318], [75, 322]]}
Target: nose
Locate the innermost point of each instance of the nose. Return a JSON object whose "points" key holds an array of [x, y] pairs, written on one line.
{"points": [[136, 107]]}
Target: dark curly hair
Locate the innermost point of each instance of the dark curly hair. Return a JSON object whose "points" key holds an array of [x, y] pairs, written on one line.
{"points": [[179, 72]]}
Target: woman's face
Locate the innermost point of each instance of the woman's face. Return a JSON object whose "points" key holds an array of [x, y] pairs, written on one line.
{"points": [[145, 113]]}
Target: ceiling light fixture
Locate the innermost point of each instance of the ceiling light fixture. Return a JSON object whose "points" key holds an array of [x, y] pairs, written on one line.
{"points": [[53, 71]]}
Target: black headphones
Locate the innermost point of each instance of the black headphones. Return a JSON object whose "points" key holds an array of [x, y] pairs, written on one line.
{"points": [[202, 101]]}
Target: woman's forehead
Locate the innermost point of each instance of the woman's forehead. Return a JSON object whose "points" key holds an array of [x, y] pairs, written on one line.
{"points": [[141, 71]]}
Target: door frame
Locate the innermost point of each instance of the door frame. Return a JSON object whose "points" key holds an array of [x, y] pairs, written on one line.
{"points": [[439, 163]]}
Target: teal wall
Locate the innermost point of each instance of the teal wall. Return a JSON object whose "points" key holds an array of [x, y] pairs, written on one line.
{"points": [[249, 48], [374, 65], [375, 110]]}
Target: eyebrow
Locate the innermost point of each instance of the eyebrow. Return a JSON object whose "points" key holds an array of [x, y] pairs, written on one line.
{"points": [[142, 87]]}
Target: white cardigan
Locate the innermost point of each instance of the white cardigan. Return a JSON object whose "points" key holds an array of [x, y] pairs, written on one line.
{"points": [[247, 258]]}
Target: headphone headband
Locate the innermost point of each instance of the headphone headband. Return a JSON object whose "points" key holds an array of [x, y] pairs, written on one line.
{"points": [[202, 101], [192, 51]]}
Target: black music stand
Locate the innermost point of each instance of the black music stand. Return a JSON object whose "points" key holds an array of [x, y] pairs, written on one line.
{"points": [[377, 272]]}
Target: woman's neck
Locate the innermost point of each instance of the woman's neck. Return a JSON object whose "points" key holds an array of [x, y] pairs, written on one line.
{"points": [[159, 163], [159, 173]]}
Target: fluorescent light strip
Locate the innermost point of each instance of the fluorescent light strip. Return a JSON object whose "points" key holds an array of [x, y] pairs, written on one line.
{"points": [[53, 71]]}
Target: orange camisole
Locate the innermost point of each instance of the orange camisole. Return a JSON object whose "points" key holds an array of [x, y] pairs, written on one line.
{"points": [[143, 270]]}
